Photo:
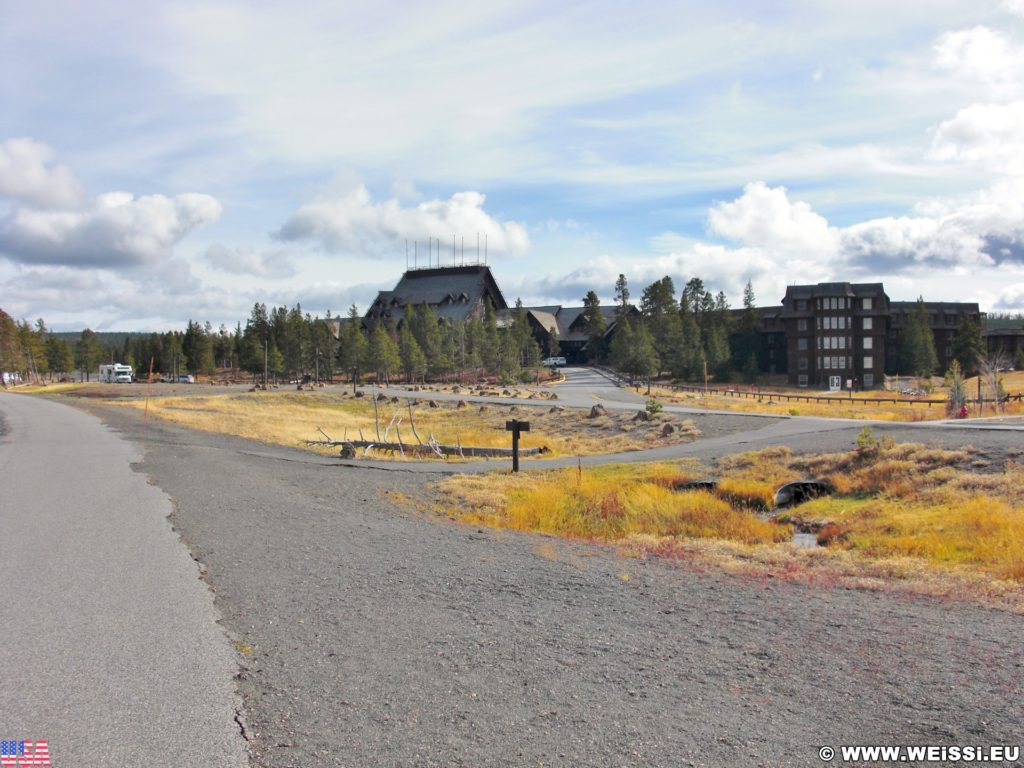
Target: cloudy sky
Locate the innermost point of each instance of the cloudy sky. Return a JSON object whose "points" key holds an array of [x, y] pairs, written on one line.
{"points": [[167, 161]]}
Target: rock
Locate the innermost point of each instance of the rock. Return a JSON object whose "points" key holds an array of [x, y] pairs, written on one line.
{"points": [[394, 399], [642, 416], [667, 430], [381, 397], [359, 394], [432, 403], [252, 389], [506, 393], [597, 411], [483, 409], [461, 404], [553, 396], [348, 451], [555, 409]]}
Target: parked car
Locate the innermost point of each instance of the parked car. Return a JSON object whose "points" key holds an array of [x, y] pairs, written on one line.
{"points": [[553, 362]]}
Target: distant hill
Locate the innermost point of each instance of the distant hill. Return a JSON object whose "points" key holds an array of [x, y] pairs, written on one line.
{"points": [[106, 338]]}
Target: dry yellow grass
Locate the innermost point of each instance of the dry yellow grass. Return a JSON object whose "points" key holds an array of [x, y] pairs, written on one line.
{"points": [[291, 418], [609, 504], [904, 514], [865, 405]]}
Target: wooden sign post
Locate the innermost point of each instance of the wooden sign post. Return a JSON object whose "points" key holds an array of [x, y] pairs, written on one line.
{"points": [[515, 427]]}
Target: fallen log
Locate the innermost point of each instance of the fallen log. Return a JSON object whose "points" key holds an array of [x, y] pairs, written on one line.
{"points": [[447, 450]]}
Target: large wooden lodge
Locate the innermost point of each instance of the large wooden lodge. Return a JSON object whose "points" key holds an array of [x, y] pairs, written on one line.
{"points": [[822, 336]]}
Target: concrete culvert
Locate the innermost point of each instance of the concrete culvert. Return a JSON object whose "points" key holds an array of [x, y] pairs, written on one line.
{"points": [[802, 490]]}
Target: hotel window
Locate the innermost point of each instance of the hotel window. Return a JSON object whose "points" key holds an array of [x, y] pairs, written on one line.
{"points": [[842, 342], [801, 324], [801, 305], [869, 342], [866, 303], [801, 343], [842, 323], [868, 323], [819, 364], [842, 362], [869, 379], [869, 362], [803, 364], [802, 380]]}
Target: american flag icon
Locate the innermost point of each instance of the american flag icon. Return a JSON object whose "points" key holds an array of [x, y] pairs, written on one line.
{"points": [[18, 753]]}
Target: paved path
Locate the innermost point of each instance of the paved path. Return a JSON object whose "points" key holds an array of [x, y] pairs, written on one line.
{"points": [[386, 638], [110, 648], [585, 387]]}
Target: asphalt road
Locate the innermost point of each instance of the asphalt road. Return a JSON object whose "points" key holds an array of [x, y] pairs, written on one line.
{"points": [[384, 638], [109, 646]]}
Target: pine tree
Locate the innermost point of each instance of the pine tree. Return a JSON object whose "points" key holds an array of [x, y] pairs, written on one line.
{"points": [[661, 314], [594, 326], [414, 363], [746, 342], [917, 345], [383, 353], [621, 299], [352, 351], [87, 352], [968, 346]]}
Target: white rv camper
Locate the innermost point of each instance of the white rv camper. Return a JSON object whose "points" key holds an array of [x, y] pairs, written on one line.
{"points": [[116, 374]]}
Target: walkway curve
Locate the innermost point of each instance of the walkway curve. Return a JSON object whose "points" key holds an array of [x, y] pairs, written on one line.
{"points": [[111, 650]]}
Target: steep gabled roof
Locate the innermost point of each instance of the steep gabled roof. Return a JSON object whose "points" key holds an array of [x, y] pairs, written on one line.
{"points": [[453, 292]]}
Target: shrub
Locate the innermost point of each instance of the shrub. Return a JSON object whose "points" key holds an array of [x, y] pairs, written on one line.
{"points": [[653, 406]]}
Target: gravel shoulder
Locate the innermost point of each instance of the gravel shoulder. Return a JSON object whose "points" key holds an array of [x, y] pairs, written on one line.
{"points": [[383, 638]]}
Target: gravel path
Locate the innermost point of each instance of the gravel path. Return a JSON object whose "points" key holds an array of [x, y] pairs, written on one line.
{"points": [[380, 638]]}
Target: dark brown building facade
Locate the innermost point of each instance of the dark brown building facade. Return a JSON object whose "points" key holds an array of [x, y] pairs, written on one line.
{"points": [[843, 335]]}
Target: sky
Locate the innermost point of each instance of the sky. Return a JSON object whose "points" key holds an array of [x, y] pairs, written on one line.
{"points": [[161, 162]]}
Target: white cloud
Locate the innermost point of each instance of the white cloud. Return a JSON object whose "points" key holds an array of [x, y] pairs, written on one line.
{"points": [[1015, 7], [979, 53], [764, 217], [116, 230], [29, 175], [240, 260], [1012, 297], [355, 224], [988, 133]]}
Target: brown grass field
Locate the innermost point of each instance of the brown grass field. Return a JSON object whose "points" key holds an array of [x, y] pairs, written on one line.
{"points": [[903, 516], [292, 417], [863, 405]]}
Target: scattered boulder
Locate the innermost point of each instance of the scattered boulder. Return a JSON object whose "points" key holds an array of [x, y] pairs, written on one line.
{"points": [[359, 394], [597, 411], [432, 404], [553, 396], [483, 409], [506, 393], [394, 399], [642, 416], [461, 404], [382, 397], [555, 409], [348, 451], [252, 389], [667, 430]]}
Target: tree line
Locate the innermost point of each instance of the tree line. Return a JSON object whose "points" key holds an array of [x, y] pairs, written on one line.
{"points": [[692, 337]]}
